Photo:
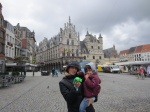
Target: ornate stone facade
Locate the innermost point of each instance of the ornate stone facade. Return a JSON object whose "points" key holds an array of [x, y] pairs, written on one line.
{"points": [[66, 47], [60, 49], [110, 55], [2, 41], [92, 48]]}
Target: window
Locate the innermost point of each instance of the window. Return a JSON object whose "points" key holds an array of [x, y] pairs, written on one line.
{"points": [[67, 41], [72, 42], [84, 57], [69, 35], [99, 57], [98, 47], [91, 47], [64, 54], [1, 48], [68, 54], [93, 57], [0, 21], [1, 34], [72, 54]]}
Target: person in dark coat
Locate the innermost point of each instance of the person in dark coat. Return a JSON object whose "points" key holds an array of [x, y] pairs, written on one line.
{"points": [[73, 93], [53, 72]]}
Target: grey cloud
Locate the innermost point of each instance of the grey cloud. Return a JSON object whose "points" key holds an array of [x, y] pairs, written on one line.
{"points": [[99, 16]]}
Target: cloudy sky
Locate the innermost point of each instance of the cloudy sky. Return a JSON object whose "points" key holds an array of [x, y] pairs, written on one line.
{"points": [[123, 23]]}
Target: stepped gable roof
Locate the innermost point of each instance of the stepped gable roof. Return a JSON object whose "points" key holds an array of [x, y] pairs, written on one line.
{"points": [[123, 52], [138, 49], [82, 44], [108, 52], [131, 50], [92, 38], [146, 48]]}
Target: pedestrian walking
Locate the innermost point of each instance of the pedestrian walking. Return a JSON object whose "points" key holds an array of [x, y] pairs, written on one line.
{"points": [[141, 72], [148, 71], [53, 72], [56, 72]]}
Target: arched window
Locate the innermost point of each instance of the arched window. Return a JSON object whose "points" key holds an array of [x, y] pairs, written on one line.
{"points": [[67, 41], [93, 57], [72, 42], [99, 57], [69, 35], [84, 57]]}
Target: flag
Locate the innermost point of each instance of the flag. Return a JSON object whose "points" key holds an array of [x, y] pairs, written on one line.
{"points": [[66, 50], [70, 50], [61, 49]]}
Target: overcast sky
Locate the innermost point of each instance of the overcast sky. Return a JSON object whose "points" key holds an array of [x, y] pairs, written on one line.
{"points": [[123, 23]]}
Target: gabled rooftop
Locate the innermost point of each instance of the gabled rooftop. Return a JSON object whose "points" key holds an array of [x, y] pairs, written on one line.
{"points": [[146, 48], [138, 49], [124, 52]]}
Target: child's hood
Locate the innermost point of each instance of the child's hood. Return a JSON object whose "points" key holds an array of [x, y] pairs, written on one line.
{"points": [[93, 66]]}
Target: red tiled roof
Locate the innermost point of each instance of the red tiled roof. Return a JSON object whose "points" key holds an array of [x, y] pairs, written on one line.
{"points": [[138, 49], [131, 50], [146, 48], [123, 52]]}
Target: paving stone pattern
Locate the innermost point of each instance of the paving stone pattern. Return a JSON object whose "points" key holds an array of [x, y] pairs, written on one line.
{"points": [[119, 93]]}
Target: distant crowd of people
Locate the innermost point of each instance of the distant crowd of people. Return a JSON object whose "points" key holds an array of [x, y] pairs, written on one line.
{"points": [[143, 71]]}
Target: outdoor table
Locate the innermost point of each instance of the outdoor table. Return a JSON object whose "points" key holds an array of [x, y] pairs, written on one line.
{"points": [[5, 80]]}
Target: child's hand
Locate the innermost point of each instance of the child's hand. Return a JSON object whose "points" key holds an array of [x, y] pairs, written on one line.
{"points": [[90, 101], [86, 76], [77, 84]]}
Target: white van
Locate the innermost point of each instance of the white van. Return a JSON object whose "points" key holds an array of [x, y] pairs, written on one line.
{"points": [[114, 69]]}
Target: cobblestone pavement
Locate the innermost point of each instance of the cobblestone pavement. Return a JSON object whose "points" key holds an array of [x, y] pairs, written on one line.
{"points": [[119, 93]]}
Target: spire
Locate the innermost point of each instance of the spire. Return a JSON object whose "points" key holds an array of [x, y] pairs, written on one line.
{"points": [[0, 8], [113, 46], [87, 32], [69, 20], [1, 15], [100, 36]]}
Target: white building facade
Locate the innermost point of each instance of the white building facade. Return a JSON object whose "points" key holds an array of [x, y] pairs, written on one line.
{"points": [[9, 42]]}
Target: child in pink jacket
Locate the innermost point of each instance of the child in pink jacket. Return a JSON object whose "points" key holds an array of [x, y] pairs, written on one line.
{"points": [[91, 85]]}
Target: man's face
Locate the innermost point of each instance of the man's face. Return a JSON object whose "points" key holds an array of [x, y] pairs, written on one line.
{"points": [[72, 70]]}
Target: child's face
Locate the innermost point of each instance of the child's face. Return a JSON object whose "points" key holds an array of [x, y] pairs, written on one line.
{"points": [[89, 72]]}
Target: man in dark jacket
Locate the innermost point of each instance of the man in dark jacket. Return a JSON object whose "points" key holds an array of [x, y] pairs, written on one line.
{"points": [[73, 96], [53, 72]]}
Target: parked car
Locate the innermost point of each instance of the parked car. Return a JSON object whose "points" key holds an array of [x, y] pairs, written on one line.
{"points": [[45, 72], [106, 69]]}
